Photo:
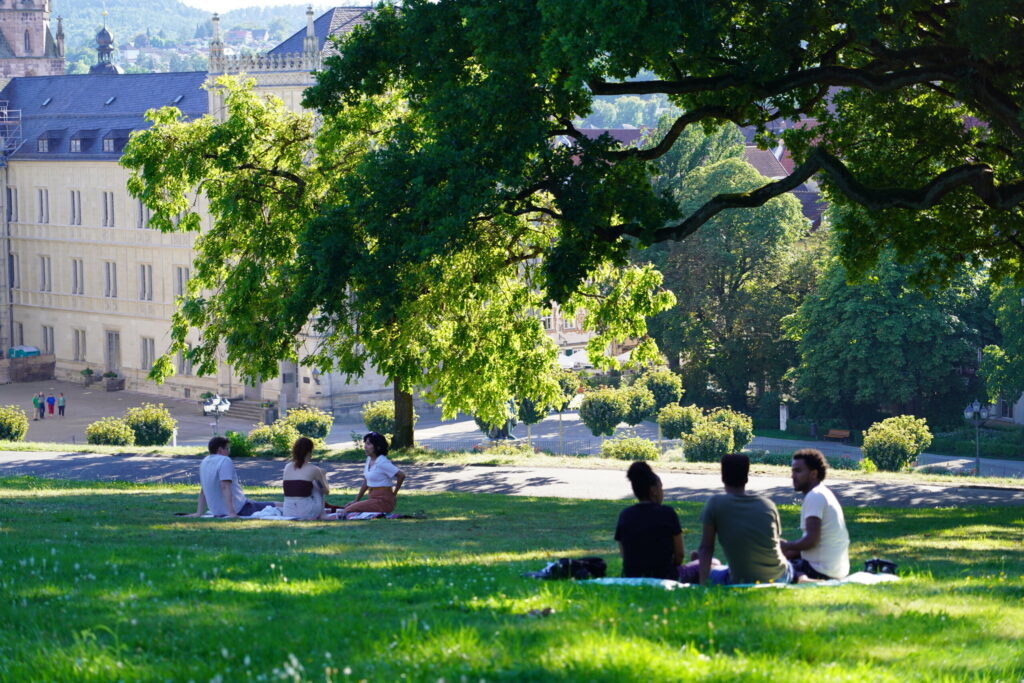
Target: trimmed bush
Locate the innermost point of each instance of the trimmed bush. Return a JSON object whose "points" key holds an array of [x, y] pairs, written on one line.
{"points": [[379, 416], [666, 386], [676, 420], [741, 425], [708, 442], [260, 436], [603, 410], [530, 413], [110, 431], [894, 443], [13, 423], [631, 448], [152, 424], [312, 422], [639, 404], [240, 446], [283, 436]]}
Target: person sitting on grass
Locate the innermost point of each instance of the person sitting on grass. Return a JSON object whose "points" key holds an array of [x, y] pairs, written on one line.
{"points": [[377, 476], [748, 527], [823, 551], [219, 489], [648, 533], [305, 484]]}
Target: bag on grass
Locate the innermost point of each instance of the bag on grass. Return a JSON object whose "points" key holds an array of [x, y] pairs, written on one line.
{"points": [[879, 566], [572, 568]]}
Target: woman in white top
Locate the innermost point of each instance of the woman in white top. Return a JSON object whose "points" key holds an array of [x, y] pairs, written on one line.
{"points": [[377, 476], [305, 484]]}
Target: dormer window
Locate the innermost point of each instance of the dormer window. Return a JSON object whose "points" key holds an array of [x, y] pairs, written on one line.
{"points": [[76, 145], [108, 145], [42, 145]]}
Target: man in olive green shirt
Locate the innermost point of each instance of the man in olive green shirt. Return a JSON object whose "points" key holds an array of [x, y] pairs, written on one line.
{"points": [[748, 527]]}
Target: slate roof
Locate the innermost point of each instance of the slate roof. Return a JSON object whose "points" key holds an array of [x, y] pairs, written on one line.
{"points": [[334, 22], [80, 103], [765, 162]]}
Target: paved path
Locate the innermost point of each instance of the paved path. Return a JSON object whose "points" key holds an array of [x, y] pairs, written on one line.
{"points": [[519, 481]]}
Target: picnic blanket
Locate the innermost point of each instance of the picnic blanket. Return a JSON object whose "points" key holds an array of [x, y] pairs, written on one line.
{"points": [[861, 578], [275, 514]]}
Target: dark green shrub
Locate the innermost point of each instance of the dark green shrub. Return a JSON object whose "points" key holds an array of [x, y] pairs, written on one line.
{"points": [[741, 425], [240, 446], [639, 404], [676, 420], [630, 448], [783, 459], [13, 423], [530, 413], [312, 422], [708, 442], [603, 410], [666, 386], [152, 424], [110, 431]]}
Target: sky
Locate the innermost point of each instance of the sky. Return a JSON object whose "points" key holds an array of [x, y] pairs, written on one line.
{"points": [[221, 6]]}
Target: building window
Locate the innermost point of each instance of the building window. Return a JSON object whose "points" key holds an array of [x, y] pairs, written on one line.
{"points": [[145, 282], [12, 204], [14, 276], [545, 322], [1005, 409], [148, 352], [78, 344], [19, 334], [569, 323], [77, 276], [108, 145], [181, 275], [28, 44], [110, 279], [144, 215], [43, 201], [108, 209], [76, 207], [43, 145], [76, 145], [45, 272], [184, 363], [47, 339]]}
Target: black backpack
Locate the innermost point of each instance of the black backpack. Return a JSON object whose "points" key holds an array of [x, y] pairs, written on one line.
{"points": [[572, 568]]}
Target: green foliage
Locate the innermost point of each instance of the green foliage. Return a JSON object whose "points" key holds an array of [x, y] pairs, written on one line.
{"points": [[878, 342], [379, 416], [530, 413], [13, 423], [741, 425], [311, 422], [666, 386], [152, 424], [111, 431], [569, 384], [868, 466], [603, 410], [677, 420], [241, 447], [708, 442], [630, 448], [640, 403], [282, 437], [894, 443], [261, 436]]}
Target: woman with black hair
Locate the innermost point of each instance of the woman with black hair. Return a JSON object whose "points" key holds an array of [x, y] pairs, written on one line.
{"points": [[649, 536], [377, 476]]}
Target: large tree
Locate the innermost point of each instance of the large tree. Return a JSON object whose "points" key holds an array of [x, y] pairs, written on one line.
{"points": [[302, 263], [911, 109]]}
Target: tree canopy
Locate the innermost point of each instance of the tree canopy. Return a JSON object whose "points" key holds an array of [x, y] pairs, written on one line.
{"points": [[302, 262], [910, 109]]}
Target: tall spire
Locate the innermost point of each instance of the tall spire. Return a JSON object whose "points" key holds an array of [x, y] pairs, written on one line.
{"points": [[309, 45], [60, 36]]}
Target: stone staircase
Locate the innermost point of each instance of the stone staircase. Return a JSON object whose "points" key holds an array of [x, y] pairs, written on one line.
{"points": [[250, 411]]}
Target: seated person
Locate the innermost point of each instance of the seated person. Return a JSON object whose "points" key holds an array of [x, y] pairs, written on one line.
{"points": [[305, 484], [748, 527], [377, 476], [823, 551], [220, 490], [648, 533]]}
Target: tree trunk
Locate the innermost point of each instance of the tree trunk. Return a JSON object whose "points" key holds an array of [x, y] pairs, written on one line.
{"points": [[403, 436]]}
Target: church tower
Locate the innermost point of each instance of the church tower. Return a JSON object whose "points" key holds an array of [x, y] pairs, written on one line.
{"points": [[27, 46]]}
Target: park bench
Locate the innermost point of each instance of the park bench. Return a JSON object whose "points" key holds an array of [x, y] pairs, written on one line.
{"points": [[840, 434]]}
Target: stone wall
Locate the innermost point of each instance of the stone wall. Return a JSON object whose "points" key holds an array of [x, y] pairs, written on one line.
{"points": [[33, 369]]}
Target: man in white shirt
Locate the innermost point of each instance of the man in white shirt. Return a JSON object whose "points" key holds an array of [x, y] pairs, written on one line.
{"points": [[823, 551], [219, 489]]}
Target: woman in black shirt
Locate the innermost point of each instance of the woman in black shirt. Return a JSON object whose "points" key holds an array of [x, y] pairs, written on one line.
{"points": [[649, 536]]}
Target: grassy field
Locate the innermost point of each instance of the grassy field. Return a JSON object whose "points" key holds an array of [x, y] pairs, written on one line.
{"points": [[100, 582]]}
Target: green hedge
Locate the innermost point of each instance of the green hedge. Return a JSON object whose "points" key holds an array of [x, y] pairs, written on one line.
{"points": [[13, 423], [152, 424], [631, 448], [110, 431], [311, 422]]}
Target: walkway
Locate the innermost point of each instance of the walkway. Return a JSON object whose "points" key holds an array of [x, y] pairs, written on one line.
{"points": [[518, 481]]}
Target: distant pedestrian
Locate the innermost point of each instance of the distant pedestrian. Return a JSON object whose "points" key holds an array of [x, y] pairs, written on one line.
{"points": [[36, 407], [60, 404], [42, 405], [51, 401]]}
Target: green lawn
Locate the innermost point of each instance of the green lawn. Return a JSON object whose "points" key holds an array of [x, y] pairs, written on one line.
{"points": [[100, 582]]}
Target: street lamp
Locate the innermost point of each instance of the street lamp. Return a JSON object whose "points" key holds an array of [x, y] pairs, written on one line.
{"points": [[976, 413]]}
